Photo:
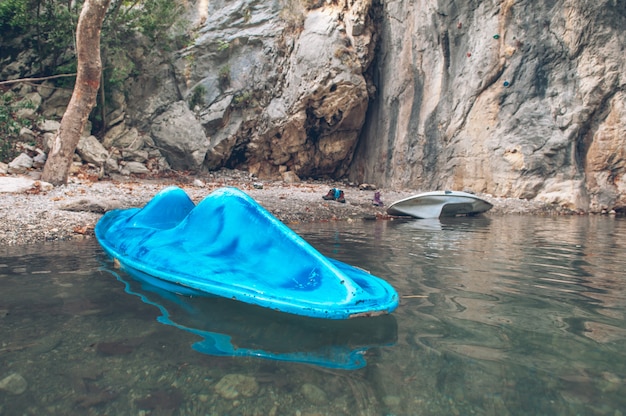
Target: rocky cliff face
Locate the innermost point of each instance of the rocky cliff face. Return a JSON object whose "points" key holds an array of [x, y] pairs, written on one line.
{"points": [[269, 87], [518, 99], [513, 98], [522, 99]]}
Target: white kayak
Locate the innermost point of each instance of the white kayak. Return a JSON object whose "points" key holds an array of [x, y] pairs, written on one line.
{"points": [[438, 204]]}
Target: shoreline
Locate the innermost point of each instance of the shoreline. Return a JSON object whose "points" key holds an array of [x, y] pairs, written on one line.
{"points": [[40, 213]]}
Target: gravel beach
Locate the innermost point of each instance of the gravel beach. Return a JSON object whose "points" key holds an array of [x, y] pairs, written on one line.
{"points": [[33, 212]]}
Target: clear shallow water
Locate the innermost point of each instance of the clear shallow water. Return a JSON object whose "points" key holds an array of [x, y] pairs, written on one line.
{"points": [[498, 316]]}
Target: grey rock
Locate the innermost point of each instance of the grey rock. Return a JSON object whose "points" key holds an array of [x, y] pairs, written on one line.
{"points": [[47, 141], [92, 151], [46, 343], [56, 104], [45, 89], [516, 99], [180, 135], [89, 205], [314, 394], [13, 384], [472, 95], [136, 167], [123, 138], [113, 135], [140, 156], [15, 184], [20, 164], [111, 165], [290, 177], [232, 386], [26, 134], [215, 116], [34, 101], [39, 160], [49, 126]]}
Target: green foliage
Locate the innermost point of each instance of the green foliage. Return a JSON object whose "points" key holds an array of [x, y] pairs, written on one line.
{"points": [[152, 18], [148, 22], [243, 99], [197, 97], [56, 30], [11, 124], [48, 28], [118, 68], [70, 67], [14, 16], [222, 45]]}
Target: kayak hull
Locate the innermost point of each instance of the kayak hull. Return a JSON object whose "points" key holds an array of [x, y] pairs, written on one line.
{"points": [[230, 246], [439, 204]]}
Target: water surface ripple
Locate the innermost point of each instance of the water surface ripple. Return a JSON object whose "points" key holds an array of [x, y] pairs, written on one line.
{"points": [[498, 316]]}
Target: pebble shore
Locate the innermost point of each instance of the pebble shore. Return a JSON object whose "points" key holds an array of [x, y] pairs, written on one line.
{"points": [[42, 213]]}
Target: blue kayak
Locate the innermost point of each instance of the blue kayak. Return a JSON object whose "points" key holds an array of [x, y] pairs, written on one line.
{"points": [[230, 246]]}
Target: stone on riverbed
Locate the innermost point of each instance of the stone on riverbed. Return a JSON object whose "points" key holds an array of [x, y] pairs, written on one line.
{"points": [[314, 394], [232, 386], [14, 384]]}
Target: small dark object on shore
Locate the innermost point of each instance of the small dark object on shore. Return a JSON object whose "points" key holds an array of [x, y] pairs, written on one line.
{"points": [[377, 201], [335, 194]]}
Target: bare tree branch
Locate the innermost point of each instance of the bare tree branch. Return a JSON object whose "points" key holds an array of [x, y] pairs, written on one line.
{"points": [[15, 81]]}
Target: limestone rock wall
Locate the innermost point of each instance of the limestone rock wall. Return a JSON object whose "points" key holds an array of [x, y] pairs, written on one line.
{"points": [[275, 86], [513, 98]]}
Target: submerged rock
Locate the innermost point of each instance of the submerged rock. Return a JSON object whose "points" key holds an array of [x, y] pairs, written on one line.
{"points": [[314, 394], [232, 386], [13, 384], [161, 400]]}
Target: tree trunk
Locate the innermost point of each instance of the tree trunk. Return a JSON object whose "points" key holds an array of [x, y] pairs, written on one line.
{"points": [[57, 168]]}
